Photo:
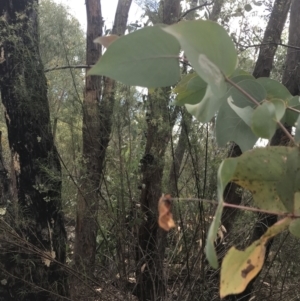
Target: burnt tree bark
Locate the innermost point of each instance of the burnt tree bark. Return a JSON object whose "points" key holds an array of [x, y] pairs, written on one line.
{"points": [[150, 249], [97, 121], [86, 218], [216, 10], [35, 214], [272, 38]]}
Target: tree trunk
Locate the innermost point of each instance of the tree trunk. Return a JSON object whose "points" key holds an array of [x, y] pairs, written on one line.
{"points": [[86, 219], [272, 38], [35, 214], [291, 75], [97, 120], [185, 124], [150, 250], [215, 13]]}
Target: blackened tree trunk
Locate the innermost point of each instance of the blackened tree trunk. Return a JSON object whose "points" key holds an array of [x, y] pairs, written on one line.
{"points": [[35, 214], [150, 250], [272, 38], [97, 121], [291, 75], [87, 203], [215, 13]]}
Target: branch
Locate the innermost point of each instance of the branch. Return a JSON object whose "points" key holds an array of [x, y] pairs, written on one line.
{"points": [[194, 8], [266, 44], [287, 133], [68, 67], [241, 207]]}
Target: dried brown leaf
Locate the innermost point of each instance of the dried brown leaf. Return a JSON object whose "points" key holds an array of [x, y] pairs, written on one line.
{"points": [[165, 219]]}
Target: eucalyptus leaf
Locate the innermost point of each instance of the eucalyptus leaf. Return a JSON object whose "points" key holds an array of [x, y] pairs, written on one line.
{"points": [[274, 89], [297, 132], [211, 53], [244, 113], [229, 125], [264, 120], [207, 107], [190, 90], [290, 116], [147, 57], [272, 174]]}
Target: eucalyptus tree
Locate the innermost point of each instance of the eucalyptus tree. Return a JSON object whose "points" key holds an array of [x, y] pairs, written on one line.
{"points": [[98, 106], [32, 233]]}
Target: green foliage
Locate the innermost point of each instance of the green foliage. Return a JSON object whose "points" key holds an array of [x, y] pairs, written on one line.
{"points": [[190, 89], [146, 57], [62, 43], [246, 110], [240, 267]]}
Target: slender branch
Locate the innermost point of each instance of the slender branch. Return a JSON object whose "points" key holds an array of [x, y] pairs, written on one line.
{"points": [[287, 133], [194, 8], [242, 91], [68, 67], [266, 44], [293, 109], [241, 207]]}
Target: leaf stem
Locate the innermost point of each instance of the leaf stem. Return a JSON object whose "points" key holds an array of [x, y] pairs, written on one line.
{"points": [[293, 109], [258, 104], [242, 91], [241, 207]]}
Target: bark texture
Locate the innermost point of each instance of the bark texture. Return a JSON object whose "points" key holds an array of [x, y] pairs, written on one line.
{"points": [[35, 216], [272, 38], [87, 203], [97, 122], [215, 13], [150, 249]]}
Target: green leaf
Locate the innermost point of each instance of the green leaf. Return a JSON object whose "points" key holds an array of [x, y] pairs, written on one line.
{"points": [[244, 113], [239, 78], [248, 7], [211, 53], [274, 89], [279, 105], [210, 251], [297, 133], [294, 227], [190, 90], [240, 267], [225, 173], [264, 120], [290, 116], [229, 126], [207, 107], [147, 57], [271, 174], [239, 71]]}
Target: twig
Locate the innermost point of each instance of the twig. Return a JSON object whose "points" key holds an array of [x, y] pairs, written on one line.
{"points": [[266, 44], [241, 207], [242, 91], [194, 8], [258, 104], [293, 109], [68, 67]]}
